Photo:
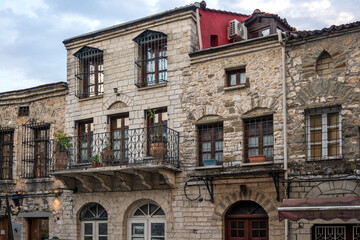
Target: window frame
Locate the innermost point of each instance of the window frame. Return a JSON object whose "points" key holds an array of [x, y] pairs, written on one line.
{"points": [[260, 134], [147, 220], [83, 72], [324, 132], [157, 46], [89, 133], [238, 72], [213, 139], [123, 128], [6, 166]]}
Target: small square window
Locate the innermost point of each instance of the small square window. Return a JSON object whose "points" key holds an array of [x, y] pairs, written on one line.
{"points": [[24, 111], [236, 77]]}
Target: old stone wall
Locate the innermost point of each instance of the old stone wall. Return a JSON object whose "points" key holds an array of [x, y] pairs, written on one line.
{"points": [[307, 90], [46, 105]]}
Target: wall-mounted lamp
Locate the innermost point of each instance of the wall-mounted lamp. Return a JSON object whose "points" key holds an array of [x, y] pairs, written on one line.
{"points": [[116, 92], [57, 192]]}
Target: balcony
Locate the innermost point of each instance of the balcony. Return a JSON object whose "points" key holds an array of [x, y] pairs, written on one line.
{"points": [[125, 159]]}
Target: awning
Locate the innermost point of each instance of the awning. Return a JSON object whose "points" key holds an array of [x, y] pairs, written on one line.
{"points": [[344, 208]]}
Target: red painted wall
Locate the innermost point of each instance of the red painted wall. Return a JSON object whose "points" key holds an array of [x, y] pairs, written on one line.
{"points": [[216, 23]]}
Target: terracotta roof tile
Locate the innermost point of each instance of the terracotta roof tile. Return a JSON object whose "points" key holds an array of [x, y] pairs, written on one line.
{"points": [[333, 28]]}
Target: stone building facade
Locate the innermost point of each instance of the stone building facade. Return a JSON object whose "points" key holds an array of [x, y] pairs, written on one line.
{"points": [[323, 83], [29, 119], [165, 140]]}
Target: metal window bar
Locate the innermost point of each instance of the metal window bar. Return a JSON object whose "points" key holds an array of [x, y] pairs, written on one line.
{"points": [[89, 73], [210, 143], [323, 135], [6, 153], [35, 144], [105, 147], [258, 138], [151, 60], [330, 232], [24, 111], [356, 232]]}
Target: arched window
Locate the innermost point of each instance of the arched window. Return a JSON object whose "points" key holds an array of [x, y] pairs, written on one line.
{"points": [[246, 220], [93, 219], [324, 64], [147, 222]]}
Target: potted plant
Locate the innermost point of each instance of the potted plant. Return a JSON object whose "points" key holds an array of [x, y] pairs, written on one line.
{"points": [[107, 154], [62, 149], [158, 146], [257, 158], [95, 161], [209, 162]]}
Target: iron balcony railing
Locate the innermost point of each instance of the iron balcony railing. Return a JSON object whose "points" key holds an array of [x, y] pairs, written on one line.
{"points": [[158, 145]]}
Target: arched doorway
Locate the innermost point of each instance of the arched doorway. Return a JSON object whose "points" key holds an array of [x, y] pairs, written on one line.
{"points": [[147, 222], [246, 220], [93, 219]]}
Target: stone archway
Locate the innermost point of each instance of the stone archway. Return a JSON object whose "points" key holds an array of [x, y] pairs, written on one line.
{"points": [[334, 189]]}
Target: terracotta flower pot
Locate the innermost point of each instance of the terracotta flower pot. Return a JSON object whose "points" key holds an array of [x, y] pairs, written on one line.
{"points": [[257, 158]]}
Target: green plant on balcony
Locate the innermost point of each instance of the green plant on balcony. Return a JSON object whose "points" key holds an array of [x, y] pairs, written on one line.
{"points": [[95, 161], [62, 146], [107, 154]]}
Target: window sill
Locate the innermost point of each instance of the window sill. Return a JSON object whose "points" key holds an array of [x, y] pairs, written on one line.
{"points": [[90, 98], [208, 167], [7, 181], [38, 180], [324, 159], [257, 164], [234, 87], [153, 86]]}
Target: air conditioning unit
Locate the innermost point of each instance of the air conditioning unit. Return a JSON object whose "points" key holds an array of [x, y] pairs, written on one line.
{"points": [[237, 31]]}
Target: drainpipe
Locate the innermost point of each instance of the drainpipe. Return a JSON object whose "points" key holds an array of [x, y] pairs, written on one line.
{"points": [[282, 43], [199, 28]]}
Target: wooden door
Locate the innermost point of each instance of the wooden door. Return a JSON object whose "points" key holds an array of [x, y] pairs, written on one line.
{"points": [[38, 228], [4, 233]]}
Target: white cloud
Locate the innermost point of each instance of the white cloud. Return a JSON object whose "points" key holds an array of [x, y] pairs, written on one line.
{"points": [[344, 17], [14, 78], [23, 7], [317, 6], [67, 21], [9, 34], [272, 6]]}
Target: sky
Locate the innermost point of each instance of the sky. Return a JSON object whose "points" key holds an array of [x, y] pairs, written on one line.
{"points": [[32, 31]]}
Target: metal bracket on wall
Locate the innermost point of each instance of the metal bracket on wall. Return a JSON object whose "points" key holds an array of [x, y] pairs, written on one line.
{"points": [[210, 186], [275, 176]]}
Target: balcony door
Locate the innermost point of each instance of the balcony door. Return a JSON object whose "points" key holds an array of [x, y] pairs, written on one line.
{"points": [[156, 122], [119, 140], [85, 139]]}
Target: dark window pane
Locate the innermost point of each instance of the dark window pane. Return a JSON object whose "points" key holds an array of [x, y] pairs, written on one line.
{"points": [[233, 225], [138, 229], [157, 229], [233, 233], [88, 228], [263, 233], [145, 208], [159, 212], [241, 233], [255, 233], [152, 208], [103, 228]]}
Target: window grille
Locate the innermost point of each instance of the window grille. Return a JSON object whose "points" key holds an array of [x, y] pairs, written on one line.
{"points": [[23, 111], [36, 142], [356, 232], [151, 62], [258, 137], [323, 133], [330, 232], [89, 72], [6, 153], [210, 142]]}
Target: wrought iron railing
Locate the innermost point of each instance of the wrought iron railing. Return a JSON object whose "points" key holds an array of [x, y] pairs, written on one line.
{"points": [[158, 145]]}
